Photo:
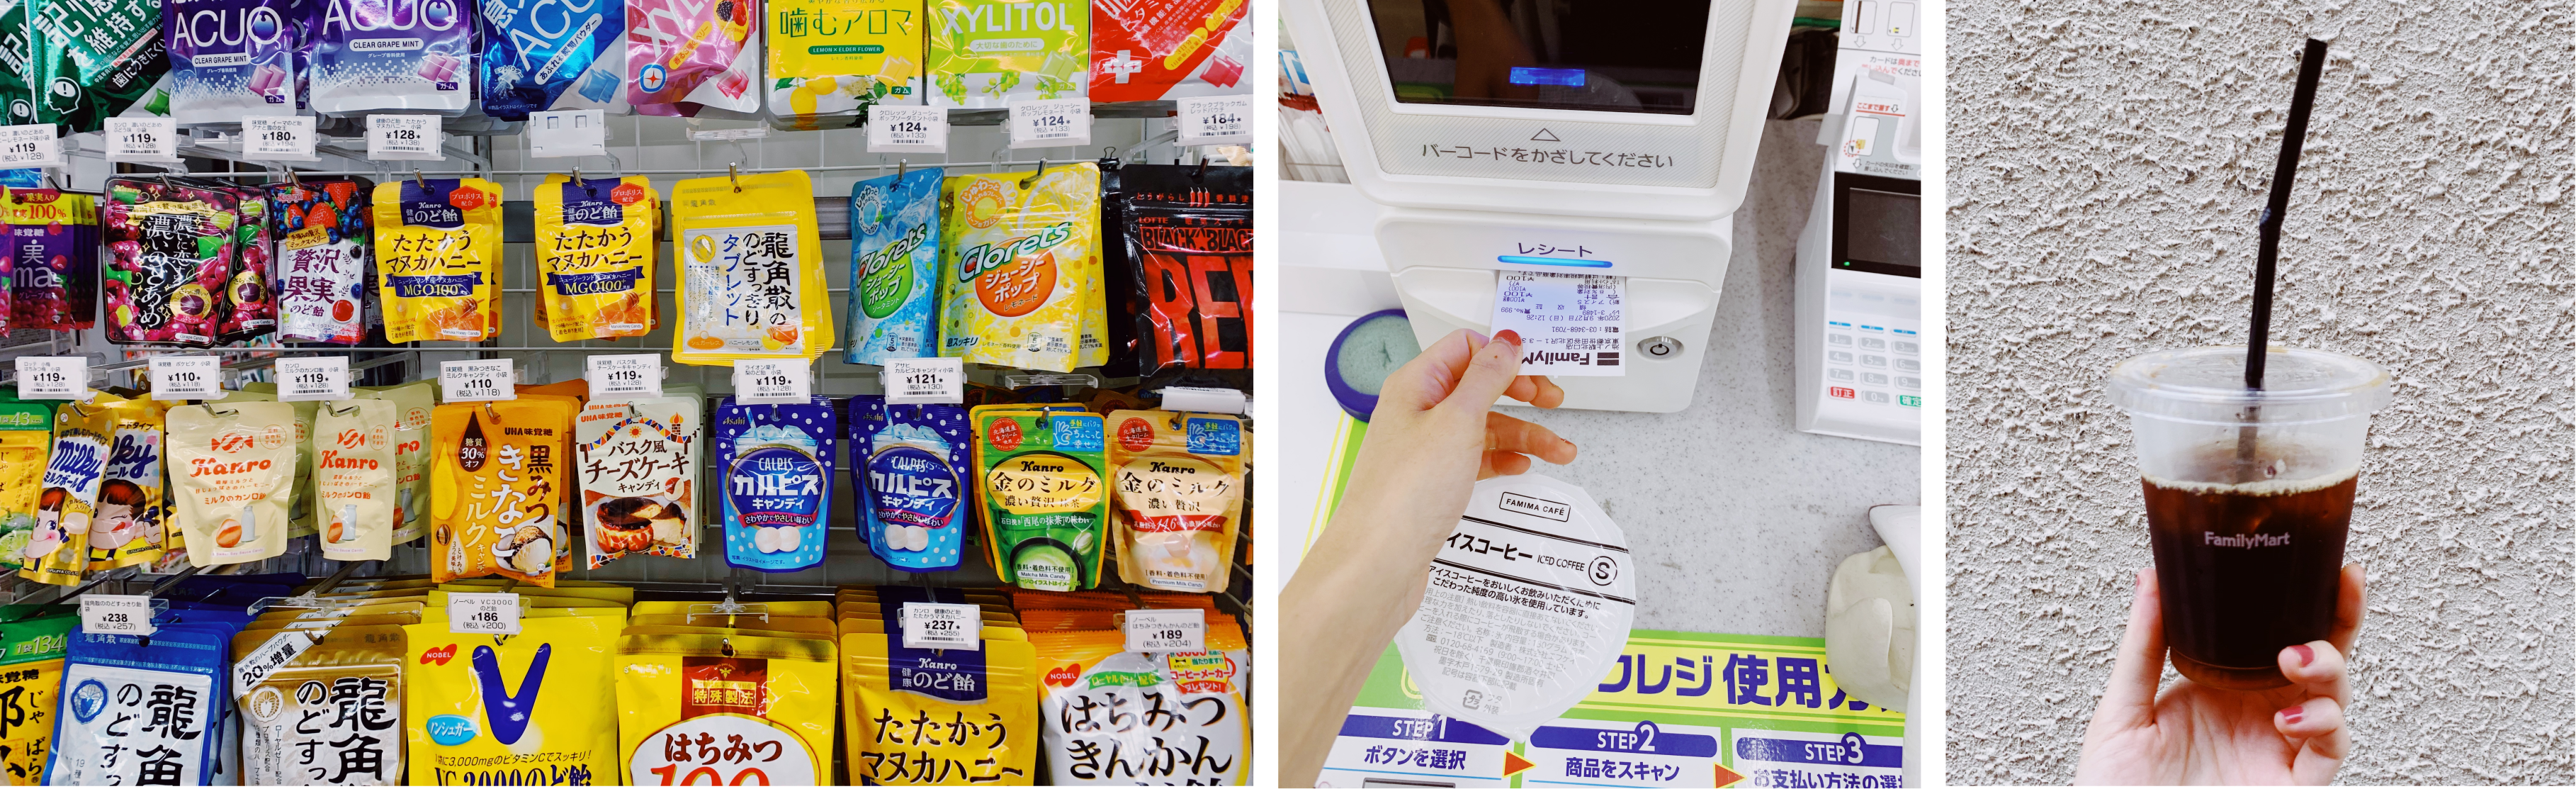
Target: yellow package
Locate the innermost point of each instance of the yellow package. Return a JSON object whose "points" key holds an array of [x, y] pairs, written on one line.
{"points": [[768, 700], [33, 640], [915, 717], [496, 488], [1020, 271], [1195, 730], [535, 709], [807, 609], [353, 478], [57, 552], [751, 270], [412, 402], [828, 59], [438, 250], [233, 472], [332, 715], [1177, 482], [26, 438], [595, 256], [133, 515]]}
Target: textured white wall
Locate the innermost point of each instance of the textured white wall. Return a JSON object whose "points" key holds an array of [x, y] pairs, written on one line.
{"points": [[2107, 162]]}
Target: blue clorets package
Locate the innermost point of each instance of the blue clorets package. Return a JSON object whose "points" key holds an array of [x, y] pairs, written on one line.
{"points": [[230, 58], [133, 714], [396, 55], [541, 55], [894, 267], [913, 469], [776, 462]]}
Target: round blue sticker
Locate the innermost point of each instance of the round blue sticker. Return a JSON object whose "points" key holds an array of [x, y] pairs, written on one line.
{"points": [[88, 700]]}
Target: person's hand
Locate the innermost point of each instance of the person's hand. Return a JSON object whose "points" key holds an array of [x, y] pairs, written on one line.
{"points": [[1435, 433], [2199, 735]]}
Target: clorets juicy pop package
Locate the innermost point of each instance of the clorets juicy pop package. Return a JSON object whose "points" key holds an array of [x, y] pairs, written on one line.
{"points": [[751, 270], [595, 256], [775, 463], [52, 258], [497, 488], [1169, 49], [323, 276], [57, 551], [139, 710], [1021, 281], [1044, 497], [169, 257], [439, 251], [1179, 497], [768, 700], [830, 59], [693, 57], [915, 474], [639, 477], [353, 478], [391, 55], [535, 709], [894, 267], [232, 469], [1189, 242], [93, 60], [26, 440], [984, 53], [231, 58], [540, 55], [33, 640]]}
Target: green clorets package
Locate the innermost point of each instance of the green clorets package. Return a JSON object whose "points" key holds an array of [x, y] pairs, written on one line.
{"points": [[1045, 502]]}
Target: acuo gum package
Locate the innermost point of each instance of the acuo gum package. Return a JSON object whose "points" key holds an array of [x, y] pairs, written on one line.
{"points": [[693, 57], [595, 256], [133, 714], [830, 59], [332, 715], [1044, 498], [914, 469], [1189, 238], [323, 277], [540, 55], [169, 258], [894, 267], [26, 440], [52, 258], [232, 468], [33, 640], [776, 462], [535, 709], [751, 270], [132, 510], [353, 478], [57, 551], [1179, 483], [230, 58], [919, 717], [769, 701], [393, 55], [497, 488], [984, 53], [439, 250], [639, 472], [1021, 282], [1119, 718], [1168, 49]]}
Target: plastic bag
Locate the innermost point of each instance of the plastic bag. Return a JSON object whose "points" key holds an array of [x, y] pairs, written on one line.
{"points": [[894, 267], [914, 470], [395, 55], [540, 56], [912, 717], [693, 57], [984, 53], [169, 258], [595, 257], [1179, 483], [534, 709], [353, 478], [52, 264], [323, 280], [751, 270], [777, 467], [1044, 498], [439, 249], [1021, 275], [234, 478], [1167, 49], [497, 488], [230, 58], [133, 714], [332, 715], [132, 508], [830, 59], [770, 699], [639, 472], [1189, 240]]}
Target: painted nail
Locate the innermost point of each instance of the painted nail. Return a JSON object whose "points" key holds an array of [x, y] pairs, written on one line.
{"points": [[1508, 336], [2307, 654], [2292, 714]]}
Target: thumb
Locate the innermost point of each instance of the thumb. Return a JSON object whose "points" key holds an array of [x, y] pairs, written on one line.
{"points": [[1489, 373]]}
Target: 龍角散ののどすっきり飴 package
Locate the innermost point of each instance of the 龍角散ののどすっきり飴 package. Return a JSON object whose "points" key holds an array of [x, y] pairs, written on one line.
{"points": [[139, 710], [751, 270], [639, 477], [331, 714]]}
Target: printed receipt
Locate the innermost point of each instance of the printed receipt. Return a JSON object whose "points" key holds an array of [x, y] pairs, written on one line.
{"points": [[1570, 324]]}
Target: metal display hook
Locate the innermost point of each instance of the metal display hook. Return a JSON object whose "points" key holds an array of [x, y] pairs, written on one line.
{"points": [[733, 170], [1033, 177]]}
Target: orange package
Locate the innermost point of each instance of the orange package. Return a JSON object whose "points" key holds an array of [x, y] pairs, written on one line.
{"points": [[496, 488]]}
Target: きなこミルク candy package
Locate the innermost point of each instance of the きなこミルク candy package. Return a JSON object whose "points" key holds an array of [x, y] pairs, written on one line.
{"points": [[332, 714], [1020, 277], [540, 56], [497, 488], [323, 277], [1169, 49], [751, 270], [639, 477], [693, 58], [1189, 245], [595, 256], [1092, 681], [830, 59], [404, 56], [248, 309], [535, 709], [985, 53], [914, 717], [26, 441], [57, 550], [769, 700], [438, 250], [894, 267], [915, 474], [1179, 497], [169, 257], [232, 471], [93, 60], [231, 58], [776, 467], [129, 528], [1044, 497], [33, 641], [354, 492], [52, 257], [144, 709]]}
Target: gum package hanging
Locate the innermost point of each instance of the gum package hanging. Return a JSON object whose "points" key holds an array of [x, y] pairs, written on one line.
{"points": [[407, 56], [914, 471], [57, 550], [894, 267], [438, 248], [985, 53], [1167, 49], [750, 269], [831, 59], [52, 258], [693, 58], [595, 257], [539, 56], [323, 279], [94, 60], [169, 258], [1020, 272], [231, 58]]}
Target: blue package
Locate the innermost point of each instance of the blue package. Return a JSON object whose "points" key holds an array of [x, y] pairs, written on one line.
{"points": [[776, 466], [140, 710], [912, 470], [231, 58], [534, 51], [894, 267], [392, 55]]}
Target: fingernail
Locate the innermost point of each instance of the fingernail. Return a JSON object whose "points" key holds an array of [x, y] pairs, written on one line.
{"points": [[2307, 655], [2292, 714], [1508, 336]]}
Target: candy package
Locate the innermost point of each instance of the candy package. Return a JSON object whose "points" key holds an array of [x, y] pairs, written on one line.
{"points": [[1167, 49], [913, 469], [776, 462], [132, 508], [595, 256], [1021, 277], [52, 258], [233, 474], [26, 441], [540, 56], [497, 488], [412, 403], [1044, 499], [915, 717], [323, 280], [300, 515], [693, 57], [169, 258], [831, 59], [1093, 683], [984, 53], [411, 56], [249, 311], [139, 710], [57, 550], [353, 478], [894, 267], [770, 700], [639, 472], [331, 714], [1189, 245], [94, 60], [439, 249], [231, 58], [1179, 497], [751, 270], [33, 640], [535, 709]]}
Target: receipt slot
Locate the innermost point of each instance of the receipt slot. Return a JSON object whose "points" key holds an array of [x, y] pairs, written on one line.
{"points": [[1571, 169], [1860, 275]]}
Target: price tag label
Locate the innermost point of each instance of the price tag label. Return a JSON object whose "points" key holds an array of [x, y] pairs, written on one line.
{"points": [[481, 379], [1167, 630], [274, 654], [1215, 120], [625, 376], [33, 145], [935, 380], [403, 137], [725, 135], [487, 613], [1205, 400], [907, 129], [942, 626], [313, 378], [278, 138], [187, 378], [53, 377], [126, 614], [772, 381], [142, 140], [1050, 122], [562, 133]]}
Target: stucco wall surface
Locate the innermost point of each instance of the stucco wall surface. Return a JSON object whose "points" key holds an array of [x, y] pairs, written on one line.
{"points": [[2107, 163]]}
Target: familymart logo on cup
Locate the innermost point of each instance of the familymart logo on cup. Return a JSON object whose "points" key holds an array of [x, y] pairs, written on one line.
{"points": [[2211, 538], [1551, 510]]}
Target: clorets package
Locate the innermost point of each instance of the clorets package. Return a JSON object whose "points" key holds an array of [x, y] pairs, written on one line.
{"points": [[829, 59], [693, 57], [915, 473], [1022, 281], [439, 251], [135, 713], [535, 709], [232, 470], [595, 256], [1189, 240], [52, 258], [751, 270], [894, 267], [231, 58], [324, 278], [540, 55], [1044, 497], [391, 55], [984, 53], [169, 257], [639, 477], [769, 701], [776, 467], [1179, 483], [1169, 49]]}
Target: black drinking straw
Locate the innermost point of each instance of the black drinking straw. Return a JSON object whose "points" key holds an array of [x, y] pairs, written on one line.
{"points": [[2284, 172]]}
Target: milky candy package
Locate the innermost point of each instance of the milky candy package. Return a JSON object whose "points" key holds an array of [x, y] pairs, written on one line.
{"points": [[231, 58], [57, 551], [332, 715], [353, 478], [497, 488], [1044, 498], [776, 462], [693, 57], [595, 256], [132, 714], [132, 510], [233, 474], [52, 258], [169, 257], [1168, 49], [535, 709], [984, 53], [439, 251], [540, 55], [1021, 274], [894, 267], [1093, 682], [33, 641], [26, 440], [249, 311], [770, 700], [323, 278], [830, 59], [914, 471], [95, 60], [914, 717], [1179, 490], [404, 55], [751, 270], [1188, 232], [639, 474]]}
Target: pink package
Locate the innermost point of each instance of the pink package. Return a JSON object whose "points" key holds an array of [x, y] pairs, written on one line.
{"points": [[251, 312], [170, 256], [667, 61]]}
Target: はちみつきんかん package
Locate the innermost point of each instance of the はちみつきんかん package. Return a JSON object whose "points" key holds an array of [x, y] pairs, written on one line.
{"points": [[232, 470], [595, 257], [1179, 483], [497, 488], [826, 64], [639, 477], [331, 714], [1021, 285], [354, 488], [693, 58], [894, 267], [1189, 242], [535, 709], [1044, 498], [438, 250], [767, 701], [52, 258], [324, 279], [986, 53], [169, 257], [777, 467], [915, 717], [57, 550], [915, 471], [751, 270], [1194, 729]]}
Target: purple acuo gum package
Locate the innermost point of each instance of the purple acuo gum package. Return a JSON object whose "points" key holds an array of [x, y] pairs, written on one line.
{"points": [[230, 58], [52, 250], [250, 312], [169, 257], [392, 55], [692, 58], [323, 278]]}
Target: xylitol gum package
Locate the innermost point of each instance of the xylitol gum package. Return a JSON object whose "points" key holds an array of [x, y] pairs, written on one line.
{"points": [[595, 256], [693, 57], [231, 58], [323, 273], [403, 55], [439, 251], [170, 253], [1021, 279], [826, 64], [776, 467], [913, 466], [894, 267], [985, 53], [751, 270], [540, 55]]}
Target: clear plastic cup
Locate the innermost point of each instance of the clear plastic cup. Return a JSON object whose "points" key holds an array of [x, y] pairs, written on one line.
{"points": [[2249, 497]]}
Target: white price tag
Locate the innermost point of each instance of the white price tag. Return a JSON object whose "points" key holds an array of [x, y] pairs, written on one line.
{"points": [[934, 380], [625, 376], [942, 626], [486, 613], [723, 135], [53, 377], [403, 137], [313, 378], [1205, 400], [272, 655], [1215, 120], [1050, 122], [772, 381], [124, 614], [907, 129], [1569, 324], [142, 140], [187, 378], [481, 379], [278, 138], [564, 133], [1167, 630], [33, 145]]}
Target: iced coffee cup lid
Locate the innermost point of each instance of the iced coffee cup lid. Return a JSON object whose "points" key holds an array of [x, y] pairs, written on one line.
{"points": [[2208, 385]]}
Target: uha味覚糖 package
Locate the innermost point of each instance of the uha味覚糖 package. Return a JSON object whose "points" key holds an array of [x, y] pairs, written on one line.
{"points": [[323, 276], [751, 282], [1021, 280], [415, 56], [768, 699], [894, 267], [535, 709], [915, 472], [831, 59], [169, 258], [986, 53], [539, 57], [639, 473], [354, 478], [776, 467], [52, 258], [1043, 497], [497, 488], [693, 57], [1167, 49], [438, 250], [1179, 497], [1189, 245], [595, 257], [132, 516], [232, 470]]}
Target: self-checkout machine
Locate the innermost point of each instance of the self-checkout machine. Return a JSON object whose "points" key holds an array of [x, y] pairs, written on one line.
{"points": [[1860, 273]]}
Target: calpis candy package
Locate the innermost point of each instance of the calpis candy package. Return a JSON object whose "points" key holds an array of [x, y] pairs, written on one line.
{"points": [[438, 248], [985, 53], [829, 59], [775, 465], [1167, 49], [541, 55], [400, 55], [324, 276], [914, 469], [894, 267], [169, 257], [230, 58], [693, 57]]}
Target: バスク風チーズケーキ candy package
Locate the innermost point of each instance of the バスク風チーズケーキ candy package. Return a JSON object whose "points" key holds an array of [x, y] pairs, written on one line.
{"points": [[639, 472]]}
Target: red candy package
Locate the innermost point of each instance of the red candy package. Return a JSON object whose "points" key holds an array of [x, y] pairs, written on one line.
{"points": [[170, 257], [1143, 50], [253, 312], [1188, 231], [52, 259], [325, 280]]}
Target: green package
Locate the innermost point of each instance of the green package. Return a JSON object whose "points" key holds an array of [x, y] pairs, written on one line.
{"points": [[984, 53], [93, 60], [17, 94], [1045, 502], [33, 641], [26, 438]]}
